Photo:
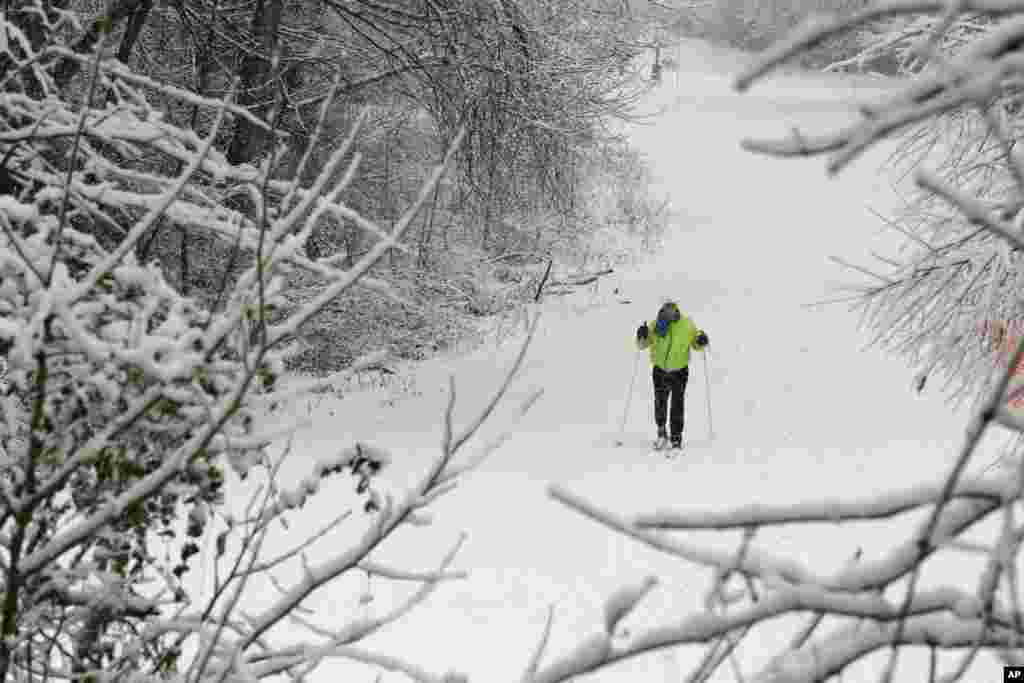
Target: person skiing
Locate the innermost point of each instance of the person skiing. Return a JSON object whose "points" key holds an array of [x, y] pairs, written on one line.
{"points": [[674, 335]]}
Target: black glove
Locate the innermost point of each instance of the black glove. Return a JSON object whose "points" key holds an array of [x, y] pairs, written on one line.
{"points": [[641, 332], [702, 339]]}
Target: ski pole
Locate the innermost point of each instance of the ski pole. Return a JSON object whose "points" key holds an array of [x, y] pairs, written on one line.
{"points": [[629, 400], [707, 396]]}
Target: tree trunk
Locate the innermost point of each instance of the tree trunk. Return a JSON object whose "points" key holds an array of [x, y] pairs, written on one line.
{"points": [[255, 81], [136, 10], [183, 259], [386, 203], [543, 280], [131, 32]]}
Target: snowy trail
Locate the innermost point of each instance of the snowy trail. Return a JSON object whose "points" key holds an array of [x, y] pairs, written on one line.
{"points": [[800, 411]]}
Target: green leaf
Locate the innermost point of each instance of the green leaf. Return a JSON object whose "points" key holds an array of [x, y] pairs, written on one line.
{"points": [[52, 456], [135, 375], [130, 470], [118, 566], [136, 513], [163, 407], [168, 663], [266, 376], [104, 468]]}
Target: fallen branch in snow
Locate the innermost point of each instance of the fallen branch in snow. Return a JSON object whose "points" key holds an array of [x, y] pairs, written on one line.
{"points": [[582, 279]]}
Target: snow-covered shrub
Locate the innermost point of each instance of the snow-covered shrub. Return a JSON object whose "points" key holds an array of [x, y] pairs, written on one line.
{"points": [[126, 405], [625, 215], [961, 268]]}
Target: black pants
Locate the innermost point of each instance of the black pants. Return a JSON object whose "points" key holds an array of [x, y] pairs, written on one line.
{"points": [[670, 383]]}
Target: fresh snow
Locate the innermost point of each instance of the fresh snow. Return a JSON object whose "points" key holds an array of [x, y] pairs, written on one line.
{"points": [[801, 413]]}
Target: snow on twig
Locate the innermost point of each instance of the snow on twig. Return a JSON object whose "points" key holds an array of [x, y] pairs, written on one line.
{"points": [[155, 214], [624, 600], [878, 506], [386, 572], [928, 607], [278, 332], [385, 522], [141, 490], [831, 656]]}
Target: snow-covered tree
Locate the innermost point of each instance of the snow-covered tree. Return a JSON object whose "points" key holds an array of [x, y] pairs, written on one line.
{"points": [[960, 269], [945, 300], [126, 405]]}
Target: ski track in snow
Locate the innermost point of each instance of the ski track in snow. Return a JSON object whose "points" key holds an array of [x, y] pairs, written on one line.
{"points": [[800, 410]]}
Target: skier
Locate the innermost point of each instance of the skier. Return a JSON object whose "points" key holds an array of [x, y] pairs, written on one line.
{"points": [[674, 335]]}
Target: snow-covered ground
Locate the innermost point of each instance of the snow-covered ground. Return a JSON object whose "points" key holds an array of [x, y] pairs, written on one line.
{"points": [[800, 410]]}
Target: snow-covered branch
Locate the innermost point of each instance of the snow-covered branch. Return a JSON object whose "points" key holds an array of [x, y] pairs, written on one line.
{"points": [[129, 401], [879, 506], [929, 608], [390, 517], [817, 29]]}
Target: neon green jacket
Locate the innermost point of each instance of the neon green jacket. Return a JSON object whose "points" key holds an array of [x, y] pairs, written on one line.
{"points": [[672, 351]]}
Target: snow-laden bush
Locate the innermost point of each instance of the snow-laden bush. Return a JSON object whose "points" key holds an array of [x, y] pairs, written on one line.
{"points": [[876, 606], [125, 404]]}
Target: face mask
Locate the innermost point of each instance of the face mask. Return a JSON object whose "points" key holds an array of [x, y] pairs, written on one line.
{"points": [[668, 313]]}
